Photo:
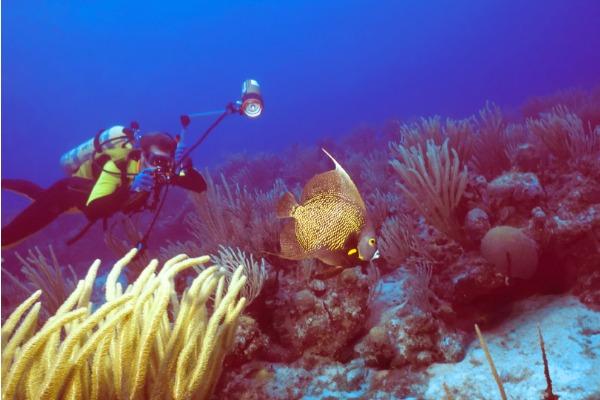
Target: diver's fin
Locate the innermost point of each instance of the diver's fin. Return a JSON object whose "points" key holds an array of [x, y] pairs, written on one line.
{"points": [[286, 206], [290, 248], [22, 187]]}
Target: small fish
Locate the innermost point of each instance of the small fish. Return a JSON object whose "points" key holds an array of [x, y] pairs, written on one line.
{"points": [[330, 223]]}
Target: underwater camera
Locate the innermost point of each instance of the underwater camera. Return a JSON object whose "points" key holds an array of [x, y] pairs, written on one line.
{"points": [[163, 168], [251, 104], [162, 175]]}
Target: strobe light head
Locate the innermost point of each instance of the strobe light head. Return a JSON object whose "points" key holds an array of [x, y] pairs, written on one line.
{"points": [[251, 104]]}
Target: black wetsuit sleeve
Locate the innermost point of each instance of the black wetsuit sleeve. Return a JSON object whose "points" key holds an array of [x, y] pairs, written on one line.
{"points": [[190, 180]]}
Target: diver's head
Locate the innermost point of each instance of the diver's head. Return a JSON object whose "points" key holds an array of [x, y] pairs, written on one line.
{"points": [[158, 150], [367, 244]]}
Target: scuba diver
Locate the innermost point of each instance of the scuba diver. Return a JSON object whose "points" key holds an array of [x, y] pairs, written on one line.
{"points": [[121, 170], [118, 170]]}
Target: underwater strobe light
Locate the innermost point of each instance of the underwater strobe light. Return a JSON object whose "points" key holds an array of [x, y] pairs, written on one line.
{"points": [[251, 105]]}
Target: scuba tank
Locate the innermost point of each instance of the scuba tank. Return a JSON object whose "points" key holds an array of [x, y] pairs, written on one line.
{"points": [[108, 142]]}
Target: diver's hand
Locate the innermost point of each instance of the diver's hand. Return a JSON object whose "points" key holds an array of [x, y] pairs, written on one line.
{"points": [[144, 181]]}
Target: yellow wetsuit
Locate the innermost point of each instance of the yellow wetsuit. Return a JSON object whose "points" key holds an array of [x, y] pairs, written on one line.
{"points": [[110, 179]]}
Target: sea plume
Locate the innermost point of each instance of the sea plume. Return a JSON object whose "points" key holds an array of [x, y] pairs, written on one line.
{"points": [[434, 182], [144, 342], [45, 273]]}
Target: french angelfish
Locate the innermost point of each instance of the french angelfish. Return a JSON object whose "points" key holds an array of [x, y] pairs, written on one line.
{"points": [[330, 223]]}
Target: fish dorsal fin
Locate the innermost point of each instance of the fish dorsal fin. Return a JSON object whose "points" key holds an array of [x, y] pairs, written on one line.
{"points": [[338, 167], [335, 181]]}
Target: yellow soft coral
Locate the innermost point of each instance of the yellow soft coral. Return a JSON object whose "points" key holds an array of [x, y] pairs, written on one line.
{"points": [[144, 342]]}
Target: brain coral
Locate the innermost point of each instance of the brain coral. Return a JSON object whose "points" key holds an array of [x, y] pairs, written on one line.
{"points": [[511, 251]]}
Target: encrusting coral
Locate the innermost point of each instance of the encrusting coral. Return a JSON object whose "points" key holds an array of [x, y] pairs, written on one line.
{"points": [[144, 343]]}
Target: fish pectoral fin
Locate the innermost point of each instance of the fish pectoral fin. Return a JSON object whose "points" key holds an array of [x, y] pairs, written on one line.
{"points": [[290, 248], [286, 205]]}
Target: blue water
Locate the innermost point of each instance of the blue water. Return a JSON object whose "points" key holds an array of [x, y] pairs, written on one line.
{"points": [[71, 68]]}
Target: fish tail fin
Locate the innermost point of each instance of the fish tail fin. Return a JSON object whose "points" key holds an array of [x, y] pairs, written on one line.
{"points": [[286, 206], [290, 248]]}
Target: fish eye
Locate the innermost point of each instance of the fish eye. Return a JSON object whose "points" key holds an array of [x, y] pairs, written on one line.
{"points": [[372, 242]]}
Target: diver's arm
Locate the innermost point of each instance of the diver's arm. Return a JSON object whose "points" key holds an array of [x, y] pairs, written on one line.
{"points": [[190, 179]]}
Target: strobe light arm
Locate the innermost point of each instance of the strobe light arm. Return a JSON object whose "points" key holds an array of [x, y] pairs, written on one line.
{"points": [[250, 105], [230, 109]]}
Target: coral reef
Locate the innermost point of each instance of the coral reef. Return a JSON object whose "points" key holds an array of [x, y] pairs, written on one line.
{"points": [[491, 219], [325, 317]]}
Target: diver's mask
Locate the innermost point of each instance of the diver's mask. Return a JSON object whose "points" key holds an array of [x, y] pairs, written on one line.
{"points": [[159, 161]]}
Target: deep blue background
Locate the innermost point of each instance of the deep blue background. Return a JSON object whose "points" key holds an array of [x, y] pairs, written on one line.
{"points": [[70, 68]]}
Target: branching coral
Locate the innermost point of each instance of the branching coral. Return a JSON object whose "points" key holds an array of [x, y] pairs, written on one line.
{"points": [[46, 275], [481, 141], [382, 205], [491, 157], [397, 239], [459, 133], [235, 216], [231, 259], [563, 133], [144, 342], [434, 182], [370, 171], [586, 104], [256, 170]]}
